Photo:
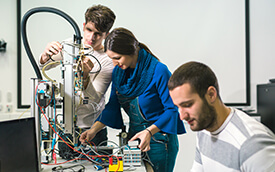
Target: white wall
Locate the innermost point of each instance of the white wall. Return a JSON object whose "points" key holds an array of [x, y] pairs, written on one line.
{"points": [[262, 38], [177, 32], [8, 60]]}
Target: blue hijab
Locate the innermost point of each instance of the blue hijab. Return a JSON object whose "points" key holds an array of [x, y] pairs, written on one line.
{"points": [[135, 84]]}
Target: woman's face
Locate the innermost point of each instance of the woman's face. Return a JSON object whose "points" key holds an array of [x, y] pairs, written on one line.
{"points": [[123, 61]]}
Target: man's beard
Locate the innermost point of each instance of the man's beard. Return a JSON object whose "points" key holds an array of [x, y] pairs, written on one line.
{"points": [[207, 118]]}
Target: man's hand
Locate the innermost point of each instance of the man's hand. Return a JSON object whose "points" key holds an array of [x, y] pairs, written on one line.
{"points": [[51, 49], [86, 136], [91, 133], [88, 65]]}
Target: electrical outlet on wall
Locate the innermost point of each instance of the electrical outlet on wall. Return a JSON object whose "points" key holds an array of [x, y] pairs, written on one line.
{"points": [[8, 108]]}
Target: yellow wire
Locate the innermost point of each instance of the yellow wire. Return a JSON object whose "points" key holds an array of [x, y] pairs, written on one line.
{"points": [[43, 70], [23, 113]]}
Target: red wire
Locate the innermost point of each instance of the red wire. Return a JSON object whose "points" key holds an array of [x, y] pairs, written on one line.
{"points": [[118, 163], [65, 141], [93, 144], [54, 154], [65, 161]]}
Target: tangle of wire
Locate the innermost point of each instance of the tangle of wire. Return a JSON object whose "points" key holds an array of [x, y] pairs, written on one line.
{"points": [[81, 53], [96, 159], [89, 157], [78, 83], [51, 100], [78, 75]]}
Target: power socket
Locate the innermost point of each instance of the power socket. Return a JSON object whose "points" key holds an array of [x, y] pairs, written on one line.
{"points": [[9, 108]]}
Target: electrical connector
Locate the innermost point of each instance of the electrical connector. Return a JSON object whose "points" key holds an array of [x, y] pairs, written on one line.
{"points": [[115, 165], [98, 167], [132, 157], [8, 108], [133, 143]]}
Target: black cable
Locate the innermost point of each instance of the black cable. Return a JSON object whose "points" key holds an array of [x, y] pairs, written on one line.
{"points": [[70, 168], [97, 62], [24, 35]]}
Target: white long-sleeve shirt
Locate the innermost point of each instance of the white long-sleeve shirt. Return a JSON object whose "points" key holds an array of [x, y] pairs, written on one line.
{"points": [[95, 90]]}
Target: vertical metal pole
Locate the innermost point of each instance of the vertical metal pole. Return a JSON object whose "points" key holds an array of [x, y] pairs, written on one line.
{"points": [[50, 110], [35, 113], [68, 106]]}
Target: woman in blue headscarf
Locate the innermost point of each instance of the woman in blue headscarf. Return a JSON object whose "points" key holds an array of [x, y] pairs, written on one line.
{"points": [[140, 88]]}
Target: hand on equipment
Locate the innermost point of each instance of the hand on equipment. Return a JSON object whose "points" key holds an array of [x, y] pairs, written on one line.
{"points": [[86, 136], [87, 65], [145, 138], [51, 49]]}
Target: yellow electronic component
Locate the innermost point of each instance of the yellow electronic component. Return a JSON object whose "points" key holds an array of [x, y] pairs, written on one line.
{"points": [[115, 167]]}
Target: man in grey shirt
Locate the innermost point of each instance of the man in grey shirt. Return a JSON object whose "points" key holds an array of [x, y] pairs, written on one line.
{"points": [[228, 140]]}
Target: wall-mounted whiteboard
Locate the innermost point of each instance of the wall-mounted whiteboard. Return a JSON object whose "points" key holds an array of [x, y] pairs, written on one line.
{"points": [[210, 31]]}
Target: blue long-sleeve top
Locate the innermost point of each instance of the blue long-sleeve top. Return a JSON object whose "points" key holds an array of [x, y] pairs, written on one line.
{"points": [[155, 104]]}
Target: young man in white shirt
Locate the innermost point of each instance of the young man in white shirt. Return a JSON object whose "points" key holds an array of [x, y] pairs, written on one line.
{"points": [[99, 20]]}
